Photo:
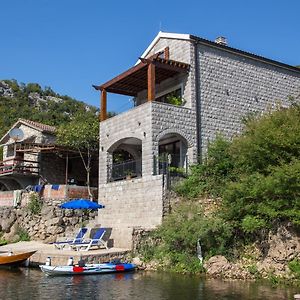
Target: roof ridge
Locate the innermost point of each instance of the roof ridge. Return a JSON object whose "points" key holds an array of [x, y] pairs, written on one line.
{"points": [[43, 127]]}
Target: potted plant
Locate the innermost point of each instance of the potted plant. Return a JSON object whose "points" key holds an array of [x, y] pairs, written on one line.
{"points": [[129, 174]]}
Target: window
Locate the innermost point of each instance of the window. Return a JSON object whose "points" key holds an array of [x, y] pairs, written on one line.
{"points": [[166, 98], [10, 150]]}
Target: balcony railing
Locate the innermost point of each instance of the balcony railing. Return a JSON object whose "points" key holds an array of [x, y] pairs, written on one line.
{"points": [[174, 167], [123, 170], [19, 166]]}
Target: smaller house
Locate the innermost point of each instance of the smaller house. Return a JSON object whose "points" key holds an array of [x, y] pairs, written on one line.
{"points": [[36, 159]]}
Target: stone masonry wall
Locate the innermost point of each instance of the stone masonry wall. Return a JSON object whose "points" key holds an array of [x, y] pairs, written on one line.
{"points": [[139, 202], [148, 122], [233, 87], [131, 203], [168, 118], [50, 224], [6, 198], [135, 123]]}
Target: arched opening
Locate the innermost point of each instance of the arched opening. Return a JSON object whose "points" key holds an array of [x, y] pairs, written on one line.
{"points": [[9, 184], [172, 154], [3, 187], [125, 159]]}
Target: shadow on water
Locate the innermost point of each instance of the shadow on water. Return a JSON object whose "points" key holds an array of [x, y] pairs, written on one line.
{"points": [[33, 284]]}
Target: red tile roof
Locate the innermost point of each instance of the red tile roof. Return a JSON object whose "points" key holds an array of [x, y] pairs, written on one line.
{"points": [[39, 126]]}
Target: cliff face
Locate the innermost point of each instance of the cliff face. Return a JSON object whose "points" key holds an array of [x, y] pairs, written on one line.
{"points": [[5, 89], [37, 96], [39, 104]]}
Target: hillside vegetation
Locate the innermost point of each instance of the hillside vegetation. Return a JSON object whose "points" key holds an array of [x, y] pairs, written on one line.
{"points": [[31, 101], [255, 179]]}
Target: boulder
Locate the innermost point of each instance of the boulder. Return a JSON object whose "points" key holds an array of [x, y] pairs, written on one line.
{"points": [[54, 221], [216, 266], [54, 230], [6, 224], [47, 211]]}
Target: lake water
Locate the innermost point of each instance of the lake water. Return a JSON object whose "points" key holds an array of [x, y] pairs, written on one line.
{"points": [[32, 284]]}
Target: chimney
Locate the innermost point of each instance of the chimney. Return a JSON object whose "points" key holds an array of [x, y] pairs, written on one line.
{"points": [[221, 40]]}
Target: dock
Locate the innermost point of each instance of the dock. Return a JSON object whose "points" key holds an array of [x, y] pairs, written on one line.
{"points": [[60, 257]]}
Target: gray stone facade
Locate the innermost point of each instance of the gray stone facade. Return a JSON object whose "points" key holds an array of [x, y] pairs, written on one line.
{"points": [[233, 86], [223, 86]]}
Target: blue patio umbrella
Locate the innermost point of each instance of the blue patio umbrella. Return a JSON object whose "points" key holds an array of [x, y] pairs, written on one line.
{"points": [[81, 204]]}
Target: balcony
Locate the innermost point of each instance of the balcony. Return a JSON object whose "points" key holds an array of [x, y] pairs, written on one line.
{"points": [[125, 170], [19, 167]]}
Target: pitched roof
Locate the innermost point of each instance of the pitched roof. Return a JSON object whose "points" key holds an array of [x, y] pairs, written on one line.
{"points": [[39, 126], [189, 37], [35, 125]]}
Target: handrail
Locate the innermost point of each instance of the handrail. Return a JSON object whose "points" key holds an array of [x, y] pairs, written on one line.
{"points": [[20, 160], [19, 166], [119, 171]]}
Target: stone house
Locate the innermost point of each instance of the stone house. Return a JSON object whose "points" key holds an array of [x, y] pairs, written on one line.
{"points": [[35, 159], [215, 85]]}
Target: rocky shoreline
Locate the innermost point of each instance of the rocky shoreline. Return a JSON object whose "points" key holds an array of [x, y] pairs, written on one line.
{"points": [[265, 259]]}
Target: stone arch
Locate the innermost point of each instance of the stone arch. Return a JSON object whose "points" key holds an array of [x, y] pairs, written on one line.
{"points": [[179, 132], [124, 158], [3, 186], [11, 184], [133, 152], [116, 143]]}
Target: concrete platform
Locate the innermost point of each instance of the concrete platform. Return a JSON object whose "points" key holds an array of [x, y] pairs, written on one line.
{"points": [[60, 257]]}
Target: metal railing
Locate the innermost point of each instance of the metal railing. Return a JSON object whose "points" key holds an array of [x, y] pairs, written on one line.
{"points": [[171, 163], [174, 167], [124, 170], [19, 166]]}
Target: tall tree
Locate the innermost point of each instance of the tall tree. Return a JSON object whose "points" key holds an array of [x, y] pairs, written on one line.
{"points": [[82, 133]]}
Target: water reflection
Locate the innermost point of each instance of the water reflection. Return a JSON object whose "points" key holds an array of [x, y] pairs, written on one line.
{"points": [[33, 284]]}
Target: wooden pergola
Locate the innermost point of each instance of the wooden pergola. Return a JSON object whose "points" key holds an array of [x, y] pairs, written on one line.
{"points": [[144, 75]]}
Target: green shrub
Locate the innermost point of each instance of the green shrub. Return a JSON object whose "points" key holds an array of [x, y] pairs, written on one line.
{"points": [[251, 224], [34, 205], [2, 240], [211, 176], [252, 269], [178, 236], [22, 235], [175, 100], [259, 200], [294, 266], [271, 140]]}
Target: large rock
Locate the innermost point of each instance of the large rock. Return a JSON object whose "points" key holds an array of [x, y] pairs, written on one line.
{"points": [[47, 211], [54, 230], [216, 266], [7, 223], [54, 221], [10, 236]]}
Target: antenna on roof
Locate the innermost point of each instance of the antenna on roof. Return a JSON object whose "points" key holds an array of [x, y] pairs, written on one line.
{"points": [[16, 134]]}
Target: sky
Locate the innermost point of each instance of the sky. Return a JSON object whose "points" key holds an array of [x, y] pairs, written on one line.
{"points": [[71, 44]]}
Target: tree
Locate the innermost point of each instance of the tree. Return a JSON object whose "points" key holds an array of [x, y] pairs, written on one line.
{"points": [[82, 133]]}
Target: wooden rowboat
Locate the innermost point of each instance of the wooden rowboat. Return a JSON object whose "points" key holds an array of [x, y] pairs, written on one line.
{"points": [[16, 258]]}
